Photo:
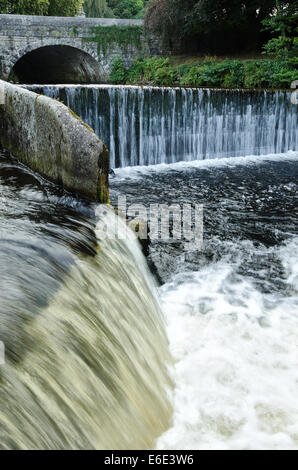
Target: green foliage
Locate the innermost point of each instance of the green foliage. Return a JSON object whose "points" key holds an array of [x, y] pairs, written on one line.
{"points": [[257, 74], [234, 76], [283, 25], [284, 21], [92, 8], [165, 76], [24, 7], [155, 70], [97, 9], [282, 47], [144, 70], [268, 74], [135, 73], [252, 74], [115, 8], [226, 24], [118, 74], [41, 7], [124, 36], [64, 7], [127, 8], [228, 74]]}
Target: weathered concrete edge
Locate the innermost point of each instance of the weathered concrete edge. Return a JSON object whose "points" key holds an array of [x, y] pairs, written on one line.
{"points": [[48, 137]]}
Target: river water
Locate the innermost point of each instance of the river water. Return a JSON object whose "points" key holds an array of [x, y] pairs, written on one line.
{"points": [[87, 348], [232, 308]]}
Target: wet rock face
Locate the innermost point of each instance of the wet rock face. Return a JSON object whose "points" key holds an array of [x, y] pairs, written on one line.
{"points": [[45, 135]]}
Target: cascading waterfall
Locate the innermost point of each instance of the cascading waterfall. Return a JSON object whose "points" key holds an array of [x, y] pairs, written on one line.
{"points": [[147, 125], [86, 349], [86, 346]]}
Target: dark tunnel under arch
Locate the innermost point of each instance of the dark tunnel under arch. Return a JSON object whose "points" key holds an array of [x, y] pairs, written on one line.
{"points": [[56, 64]]}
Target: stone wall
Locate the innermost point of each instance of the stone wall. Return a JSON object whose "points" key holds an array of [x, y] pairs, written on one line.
{"points": [[20, 35], [46, 136]]}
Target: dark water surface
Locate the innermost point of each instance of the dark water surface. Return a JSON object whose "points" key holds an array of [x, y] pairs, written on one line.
{"points": [[249, 200]]}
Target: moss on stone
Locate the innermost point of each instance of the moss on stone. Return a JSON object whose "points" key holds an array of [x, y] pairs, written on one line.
{"points": [[103, 179], [81, 121], [123, 36]]}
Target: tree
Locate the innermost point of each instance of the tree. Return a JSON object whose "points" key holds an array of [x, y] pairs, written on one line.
{"points": [[283, 25], [65, 7], [126, 8], [41, 7], [5, 6], [92, 8], [212, 20], [97, 9], [24, 7]]}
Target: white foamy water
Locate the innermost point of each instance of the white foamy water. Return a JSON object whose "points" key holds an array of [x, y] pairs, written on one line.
{"points": [[135, 172], [236, 362]]}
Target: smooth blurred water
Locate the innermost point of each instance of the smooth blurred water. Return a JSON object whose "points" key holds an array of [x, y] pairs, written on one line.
{"points": [[147, 125], [86, 350]]}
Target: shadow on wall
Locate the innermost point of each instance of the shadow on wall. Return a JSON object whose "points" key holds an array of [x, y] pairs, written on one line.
{"points": [[56, 64]]}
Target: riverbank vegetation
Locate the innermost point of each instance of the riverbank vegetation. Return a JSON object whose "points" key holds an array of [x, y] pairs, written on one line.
{"points": [[269, 63], [230, 44], [206, 72]]}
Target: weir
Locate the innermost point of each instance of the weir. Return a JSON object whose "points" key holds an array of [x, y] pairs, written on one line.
{"points": [[87, 352], [148, 125]]}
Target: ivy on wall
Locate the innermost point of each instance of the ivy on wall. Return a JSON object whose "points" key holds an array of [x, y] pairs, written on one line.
{"points": [[123, 36]]}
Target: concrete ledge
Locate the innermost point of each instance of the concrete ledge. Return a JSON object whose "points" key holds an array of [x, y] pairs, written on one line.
{"points": [[45, 135]]}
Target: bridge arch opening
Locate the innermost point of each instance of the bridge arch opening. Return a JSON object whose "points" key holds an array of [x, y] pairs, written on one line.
{"points": [[56, 64]]}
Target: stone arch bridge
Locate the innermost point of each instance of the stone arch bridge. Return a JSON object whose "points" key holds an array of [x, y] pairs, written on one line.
{"points": [[40, 49]]}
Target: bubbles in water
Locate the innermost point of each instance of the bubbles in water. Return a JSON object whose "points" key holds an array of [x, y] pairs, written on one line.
{"points": [[236, 364]]}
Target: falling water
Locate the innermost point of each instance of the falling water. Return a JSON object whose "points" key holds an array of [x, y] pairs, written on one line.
{"points": [[232, 307], [146, 125], [86, 349]]}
